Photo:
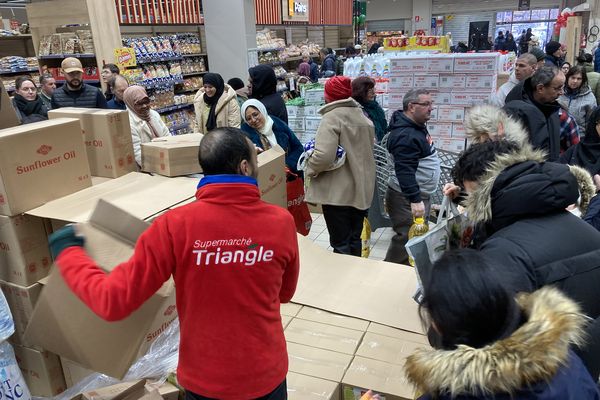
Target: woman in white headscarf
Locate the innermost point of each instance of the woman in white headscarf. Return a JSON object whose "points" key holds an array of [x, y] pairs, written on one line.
{"points": [[266, 131]]}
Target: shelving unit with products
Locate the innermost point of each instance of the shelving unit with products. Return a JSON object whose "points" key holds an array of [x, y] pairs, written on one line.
{"points": [[17, 57]]}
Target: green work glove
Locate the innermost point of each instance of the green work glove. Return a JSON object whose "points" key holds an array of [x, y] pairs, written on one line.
{"points": [[63, 238]]}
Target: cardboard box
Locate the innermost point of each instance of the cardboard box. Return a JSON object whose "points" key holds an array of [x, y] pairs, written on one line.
{"points": [[427, 81], [312, 111], [80, 335], [41, 370], [385, 379], [501, 80], [290, 309], [467, 99], [107, 137], [296, 124], [450, 113], [166, 391], [121, 391], [130, 192], [326, 317], [324, 364], [397, 333], [172, 155], [481, 82], [401, 82], [21, 301], [307, 137], [440, 64], [323, 336], [454, 145], [295, 111], [337, 275], [479, 63], [304, 387], [285, 320], [314, 97], [40, 162], [271, 176], [398, 66], [389, 349], [395, 99], [74, 372], [24, 252], [453, 81], [8, 116], [440, 129], [458, 131], [434, 114], [441, 97], [96, 180], [311, 124]]}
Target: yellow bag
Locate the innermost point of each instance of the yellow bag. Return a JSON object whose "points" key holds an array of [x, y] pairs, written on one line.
{"points": [[365, 236]]}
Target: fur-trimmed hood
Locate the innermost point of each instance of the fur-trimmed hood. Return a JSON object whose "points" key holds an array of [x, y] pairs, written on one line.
{"points": [[487, 122], [521, 184], [531, 354]]}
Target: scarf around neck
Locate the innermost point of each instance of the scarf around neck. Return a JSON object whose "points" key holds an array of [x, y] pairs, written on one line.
{"points": [[217, 81], [266, 134]]}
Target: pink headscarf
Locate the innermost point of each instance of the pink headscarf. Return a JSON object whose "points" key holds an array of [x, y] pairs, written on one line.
{"points": [[132, 96], [304, 69]]}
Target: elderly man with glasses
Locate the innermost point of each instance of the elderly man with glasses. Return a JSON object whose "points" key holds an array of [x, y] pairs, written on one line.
{"points": [[416, 168]]}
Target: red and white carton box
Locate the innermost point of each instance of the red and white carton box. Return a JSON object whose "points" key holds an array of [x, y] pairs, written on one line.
{"points": [[440, 130], [466, 99], [454, 145], [400, 66], [395, 100], [476, 64], [441, 97], [458, 130], [481, 82], [434, 114], [451, 113], [427, 81], [453, 81], [404, 82], [440, 64], [383, 100]]}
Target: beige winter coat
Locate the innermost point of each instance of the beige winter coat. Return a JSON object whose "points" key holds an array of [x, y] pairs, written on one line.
{"points": [[228, 110], [353, 183]]}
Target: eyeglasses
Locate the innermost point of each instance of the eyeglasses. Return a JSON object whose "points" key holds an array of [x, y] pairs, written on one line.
{"points": [[426, 104]]}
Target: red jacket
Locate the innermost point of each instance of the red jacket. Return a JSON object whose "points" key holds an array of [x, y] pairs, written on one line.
{"points": [[234, 259]]}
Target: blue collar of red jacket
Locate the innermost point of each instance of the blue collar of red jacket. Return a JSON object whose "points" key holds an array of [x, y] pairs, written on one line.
{"points": [[226, 178]]}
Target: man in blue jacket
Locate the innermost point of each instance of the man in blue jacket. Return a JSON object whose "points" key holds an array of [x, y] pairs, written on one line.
{"points": [[416, 167]]}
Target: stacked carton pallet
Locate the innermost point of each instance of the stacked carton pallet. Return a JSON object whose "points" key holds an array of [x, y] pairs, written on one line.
{"points": [[304, 120], [456, 82]]}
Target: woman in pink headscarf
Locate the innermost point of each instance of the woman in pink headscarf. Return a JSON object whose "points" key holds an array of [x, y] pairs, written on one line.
{"points": [[145, 123]]}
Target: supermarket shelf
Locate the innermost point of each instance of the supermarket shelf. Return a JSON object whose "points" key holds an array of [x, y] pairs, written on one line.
{"points": [[273, 63], [194, 55], [61, 56], [186, 91], [173, 108], [20, 71], [194, 73], [267, 50], [147, 60], [15, 37], [180, 126], [156, 85]]}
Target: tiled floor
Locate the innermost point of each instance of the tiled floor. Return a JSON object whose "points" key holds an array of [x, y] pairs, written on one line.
{"points": [[380, 239]]}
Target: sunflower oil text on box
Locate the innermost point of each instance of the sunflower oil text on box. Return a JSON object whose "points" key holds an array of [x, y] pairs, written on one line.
{"points": [[450, 113], [426, 81], [481, 82], [440, 64], [466, 99], [476, 63], [404, 82], [107, 136], [453, 81], [40, 162], [458, 131]]}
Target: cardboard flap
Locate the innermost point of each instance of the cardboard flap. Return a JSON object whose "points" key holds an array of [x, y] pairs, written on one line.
{"points": [[117, 222], [270, 155]]}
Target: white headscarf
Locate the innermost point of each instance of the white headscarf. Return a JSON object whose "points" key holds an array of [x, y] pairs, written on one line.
{"points": [[267, 130]]}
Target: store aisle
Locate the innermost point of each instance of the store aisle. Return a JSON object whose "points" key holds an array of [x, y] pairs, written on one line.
{"points": [[380, 239]]}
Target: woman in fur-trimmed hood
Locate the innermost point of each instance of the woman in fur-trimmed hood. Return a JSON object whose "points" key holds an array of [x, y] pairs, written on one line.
{"points": [[493, 346], [519, 203]]}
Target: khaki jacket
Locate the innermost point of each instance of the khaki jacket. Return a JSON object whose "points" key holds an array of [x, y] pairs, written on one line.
{"points": [[228, 110], [345, 124]]}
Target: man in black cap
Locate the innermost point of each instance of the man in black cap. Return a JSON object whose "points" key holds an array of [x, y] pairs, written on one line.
{"points": [[554, 53], [241, 91], [75, 93]]}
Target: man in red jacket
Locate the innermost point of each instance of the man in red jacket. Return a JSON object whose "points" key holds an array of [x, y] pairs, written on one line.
{"points": [[234, 259]]}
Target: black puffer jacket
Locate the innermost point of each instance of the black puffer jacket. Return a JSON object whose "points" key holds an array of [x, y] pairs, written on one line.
{"points": [[264, 88], [521, 202], [540, 120]]}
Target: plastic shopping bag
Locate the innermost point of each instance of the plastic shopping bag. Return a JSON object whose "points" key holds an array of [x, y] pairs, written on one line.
{"points": [[365, 237], [296, 204]]}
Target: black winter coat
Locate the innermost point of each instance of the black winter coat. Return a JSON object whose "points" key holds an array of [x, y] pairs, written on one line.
{"points": [[540, 120], [264, 88]]}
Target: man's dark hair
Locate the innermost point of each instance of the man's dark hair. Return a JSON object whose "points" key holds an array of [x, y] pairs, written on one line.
{"points": [[578, 69], [113, 81], [544, 76], [467, 301], [112, 68], [475, 161], [361, 87], [44, 78], [222, 150]]}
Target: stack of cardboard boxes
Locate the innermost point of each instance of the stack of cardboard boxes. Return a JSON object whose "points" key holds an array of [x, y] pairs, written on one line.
{"points": [[304, 120]]}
